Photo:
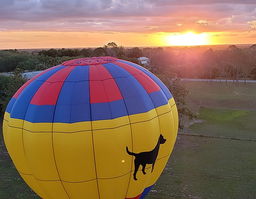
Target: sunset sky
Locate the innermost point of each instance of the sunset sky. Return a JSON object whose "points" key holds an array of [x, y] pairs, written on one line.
{"points": [[90, 23]]}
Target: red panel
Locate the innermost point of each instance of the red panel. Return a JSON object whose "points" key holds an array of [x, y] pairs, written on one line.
{"points": [[29, 81], [137, 197], [148, 84], [97, 92], [112, 90], [99, 72], [103, 87], [48, 93]]}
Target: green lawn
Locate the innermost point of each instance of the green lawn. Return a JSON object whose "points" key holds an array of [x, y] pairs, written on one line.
{"points": [[226, 122], [200, 167], [222, 95], [214, 168], [203, 168]]}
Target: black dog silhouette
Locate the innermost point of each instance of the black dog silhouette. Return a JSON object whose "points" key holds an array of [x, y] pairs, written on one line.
{"points": [[148, 157]]}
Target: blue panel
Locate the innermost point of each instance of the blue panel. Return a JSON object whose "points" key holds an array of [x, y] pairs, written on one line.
{"points": [[116, 73], [135, 96], [20, 106], [152, 76], [158, 98], [118, 108], [62, 113], [79, 73], [145, 192], [10, 105], [108, 110], [80, 112], [81, 93], [73, 101], [66, 94], [40, 113], [101, 111]]}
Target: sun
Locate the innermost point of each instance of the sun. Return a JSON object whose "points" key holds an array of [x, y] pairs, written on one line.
{"points": [[188, 39]]}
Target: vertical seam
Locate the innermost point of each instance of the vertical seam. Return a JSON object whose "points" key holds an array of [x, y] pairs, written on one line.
{"points": [[102, 81], [71, 103], [95, 165], [130, 129], [55, 162]]}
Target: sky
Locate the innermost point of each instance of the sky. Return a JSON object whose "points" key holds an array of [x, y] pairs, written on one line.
{"points": [[91, 23]]}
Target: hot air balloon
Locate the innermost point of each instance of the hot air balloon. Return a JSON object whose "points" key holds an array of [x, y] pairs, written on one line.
{"points": [[91, 128]]}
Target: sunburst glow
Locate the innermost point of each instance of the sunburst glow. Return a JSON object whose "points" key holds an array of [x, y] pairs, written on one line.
{"points": [[188, 39]]}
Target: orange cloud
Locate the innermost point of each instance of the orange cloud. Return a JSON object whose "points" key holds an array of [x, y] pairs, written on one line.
{"points": [[80, 23]]}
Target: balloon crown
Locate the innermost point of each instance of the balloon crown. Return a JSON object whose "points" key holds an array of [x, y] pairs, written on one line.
{"points": [[89, 61]]}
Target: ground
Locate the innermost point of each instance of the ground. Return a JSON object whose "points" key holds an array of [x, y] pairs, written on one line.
{"points": [[217, 162], [213, 166]]}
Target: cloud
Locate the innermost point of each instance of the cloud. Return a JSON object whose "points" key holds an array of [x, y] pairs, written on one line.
{"points": [[123, 15], [252, 25]]}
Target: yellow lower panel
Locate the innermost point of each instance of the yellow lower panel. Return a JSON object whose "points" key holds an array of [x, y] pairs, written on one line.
{"points": [[53, 189], [14, 144], [145, 135], [163, 109], [158, 169], [5, 134], [82, 190], [111, 157], [115, 188], [35, 127], [136, 187], [176, 118], [39, 153], [7, 116], [72, 127], [143, 181], [74, 156], [172, 102], [143, 116], [113, 123], [33, 183], [16, 122], [167, 129]]}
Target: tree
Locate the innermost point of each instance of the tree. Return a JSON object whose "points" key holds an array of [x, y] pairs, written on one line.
{"points": [[214, 73], [253, 73], [9, 60], [111, 45], [112, 49], [86, 52], [99, 52], [51, 52], [8, 86], [134, 52]]}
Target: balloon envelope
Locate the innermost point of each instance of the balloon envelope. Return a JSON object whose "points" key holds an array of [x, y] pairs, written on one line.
{"points": [[91, 128]]}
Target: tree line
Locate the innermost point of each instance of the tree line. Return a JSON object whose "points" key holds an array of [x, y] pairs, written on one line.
{"points": [[16, 61], [229, 62], [169, 64]]}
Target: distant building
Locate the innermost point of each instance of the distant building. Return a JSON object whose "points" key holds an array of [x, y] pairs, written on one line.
{"points": [[144, 61], [29, 75]]}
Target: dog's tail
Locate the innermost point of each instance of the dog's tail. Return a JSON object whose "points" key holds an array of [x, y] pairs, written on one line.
{"points": [[129, 152]]}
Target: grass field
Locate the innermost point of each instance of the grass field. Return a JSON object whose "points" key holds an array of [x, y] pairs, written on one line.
{"points": [[238, 96], [214, 168], [200, 167]]}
